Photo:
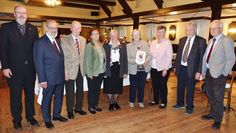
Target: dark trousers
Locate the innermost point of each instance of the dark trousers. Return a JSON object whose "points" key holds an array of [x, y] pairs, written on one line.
{"points": [[137, 82], [185, 81], [94, 86], [215, 92], [155, 84], [16, 84], [79, 95], [159, 84], [57, 91]]}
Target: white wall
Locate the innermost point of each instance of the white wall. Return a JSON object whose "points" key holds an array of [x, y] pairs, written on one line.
{"points": [[149, 30]]}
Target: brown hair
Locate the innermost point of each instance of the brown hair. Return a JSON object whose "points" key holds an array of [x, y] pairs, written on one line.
{"points": [[161, 27], [94, 29]]}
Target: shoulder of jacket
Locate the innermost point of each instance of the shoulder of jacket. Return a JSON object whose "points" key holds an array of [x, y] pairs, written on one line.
{"points": [[182, 38], [226, 38], [81, 37], [66, 37], [30, 25], [200, 38], [7, 25]]}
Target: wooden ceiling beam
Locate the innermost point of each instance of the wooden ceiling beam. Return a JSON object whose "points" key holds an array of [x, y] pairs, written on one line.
{"points": [[126, 8], [93, 7], [159, 3], [81, 6], [165, 11], [10, 16], [105, 9], [95, 2]]}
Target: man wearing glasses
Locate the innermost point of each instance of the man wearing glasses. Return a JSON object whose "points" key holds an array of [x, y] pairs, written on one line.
{"points": [[17, 42], [218, 61], [49, 64]]}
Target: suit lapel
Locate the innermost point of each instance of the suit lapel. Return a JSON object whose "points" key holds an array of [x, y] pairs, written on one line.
{"points": [[182, 44], [72, 43], [82, 44], [50, 44], [18, 32], [216, 48], [194, 46], [59, 45], [27, 30]]}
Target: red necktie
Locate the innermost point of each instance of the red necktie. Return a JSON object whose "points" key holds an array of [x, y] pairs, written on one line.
{"points": [[211, 49], [77, 44], [55, 46]]}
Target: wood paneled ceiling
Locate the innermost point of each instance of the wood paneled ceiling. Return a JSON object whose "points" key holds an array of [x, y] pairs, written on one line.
{"points": [[121, 12], [87, 4]]}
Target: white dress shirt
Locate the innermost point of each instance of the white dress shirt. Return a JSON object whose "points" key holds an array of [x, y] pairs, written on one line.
{"points": [[53, 39], [74, 38]]}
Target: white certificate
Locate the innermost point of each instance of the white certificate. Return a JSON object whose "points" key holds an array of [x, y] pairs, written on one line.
{"points": [[140, 57]]}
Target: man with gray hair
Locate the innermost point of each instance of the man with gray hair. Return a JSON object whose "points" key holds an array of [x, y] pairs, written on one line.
{"points": [[217, 64], [73, 48], [49, 64], [188, 66]]}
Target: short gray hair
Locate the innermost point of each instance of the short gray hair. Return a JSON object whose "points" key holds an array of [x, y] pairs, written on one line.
{"points": [[218, 22], [191, 23]]}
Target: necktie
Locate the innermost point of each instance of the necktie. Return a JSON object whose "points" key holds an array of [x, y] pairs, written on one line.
{"points": [[211, 49], [77, 45], [22, 29], [55, 46], [186, 50]]}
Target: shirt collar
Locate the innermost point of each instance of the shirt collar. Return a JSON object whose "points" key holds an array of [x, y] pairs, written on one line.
{"points": [[192, 38], [19, 25], [218, 36], [74, 37], [111, 44], [50, 38]]}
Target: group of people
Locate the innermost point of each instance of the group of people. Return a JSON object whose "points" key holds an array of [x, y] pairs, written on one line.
{"points": [[65, 62]]}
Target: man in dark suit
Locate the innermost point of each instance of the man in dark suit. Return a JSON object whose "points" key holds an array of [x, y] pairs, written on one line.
{"points": [[217, 64], [188, 66], [49, 64], [17, 42]]}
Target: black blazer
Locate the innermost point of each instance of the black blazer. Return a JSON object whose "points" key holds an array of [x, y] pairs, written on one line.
{"points": [[49, 62], [17, 49], [123, 60], [195, 56]]}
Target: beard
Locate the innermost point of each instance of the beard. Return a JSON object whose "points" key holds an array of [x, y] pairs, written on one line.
{"points": [[21, 20], [54, 34]]}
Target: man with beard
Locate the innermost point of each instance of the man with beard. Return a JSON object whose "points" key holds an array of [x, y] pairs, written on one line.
{"points": [[17, 42], [49, 63]]}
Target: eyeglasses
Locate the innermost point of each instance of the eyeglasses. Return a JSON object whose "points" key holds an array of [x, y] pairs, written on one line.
{"points": [[17, 12], [52, 28], [95, 33], [216, 28]]}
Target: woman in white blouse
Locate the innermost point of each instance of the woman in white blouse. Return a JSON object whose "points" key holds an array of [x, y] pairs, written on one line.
{"points": [[116, 69], [162, 52]]}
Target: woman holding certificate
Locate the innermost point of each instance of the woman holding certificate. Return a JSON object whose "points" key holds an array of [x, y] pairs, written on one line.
{"points": [[138, 66], [116, 69], [162, 53]]}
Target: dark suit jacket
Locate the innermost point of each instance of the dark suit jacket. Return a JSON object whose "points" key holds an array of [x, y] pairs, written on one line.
{"points": [[123, 60], [49, 63], [17, 49], [195, 56]]}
